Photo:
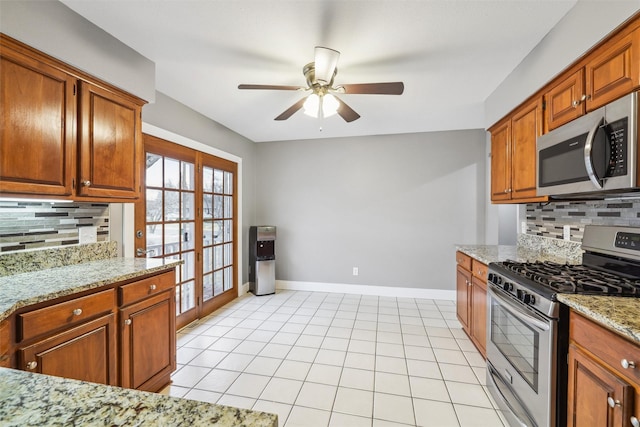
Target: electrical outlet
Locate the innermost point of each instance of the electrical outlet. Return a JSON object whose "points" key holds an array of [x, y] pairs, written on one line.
{"points": [[523, 227], [566, 232], [355, 271]]}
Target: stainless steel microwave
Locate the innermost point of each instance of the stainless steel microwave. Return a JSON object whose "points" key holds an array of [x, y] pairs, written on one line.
{"points": [[593, 154]]}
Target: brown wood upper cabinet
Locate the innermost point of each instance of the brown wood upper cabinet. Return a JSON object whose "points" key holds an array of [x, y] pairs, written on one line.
{"points": [[513, 155], [65, 134], [607, 73]]}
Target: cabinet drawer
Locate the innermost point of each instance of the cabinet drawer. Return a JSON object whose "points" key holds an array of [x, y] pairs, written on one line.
{"points": [[146, 287], [479, 270], [38, 322], [463, 260], [606, 345]]}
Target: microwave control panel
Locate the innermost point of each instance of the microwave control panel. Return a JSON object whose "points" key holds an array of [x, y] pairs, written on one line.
{"points": [[616, 134]]}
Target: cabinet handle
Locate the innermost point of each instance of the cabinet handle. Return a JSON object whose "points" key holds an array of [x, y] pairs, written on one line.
{"points": [[152, 287], [626, 364], [127, 322], [634, 422], [86, 183], [77, 312], [580, 101], [612, 403], [32, 365]]}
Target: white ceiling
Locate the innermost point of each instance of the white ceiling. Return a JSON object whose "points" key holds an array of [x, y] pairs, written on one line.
{"points": [[450, 54]]}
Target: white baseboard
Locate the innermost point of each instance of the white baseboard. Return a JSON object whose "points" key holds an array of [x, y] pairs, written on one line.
{"points": [[244, 288], [382, 291]]}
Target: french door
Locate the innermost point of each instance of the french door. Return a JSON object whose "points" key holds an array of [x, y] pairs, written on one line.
{"points": [[188, 212]]}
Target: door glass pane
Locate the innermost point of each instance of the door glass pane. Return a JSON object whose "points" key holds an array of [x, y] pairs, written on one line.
{"points": [[218, 181], [228, 253], [207, 206], [228, 206], [217, 207], [207, 262], [218, 286], [154, 205], [154, 170], [189, 266], [217, 257], [188, 235], [171, 173], [171, 238], [228, 278], [207, 179], [228, 183], [207, 233], [188, 206], [188, 178], [207, 293], [171, 205], [228, 229], [154, 240], [188, 296], [217, 231]]}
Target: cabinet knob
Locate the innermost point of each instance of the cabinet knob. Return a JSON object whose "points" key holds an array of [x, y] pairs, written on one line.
{"points": [[86, 183], [626, 364], [32, 365], [127, 322], [77, 312], [612, 402], [152, 287], [634, 422]]}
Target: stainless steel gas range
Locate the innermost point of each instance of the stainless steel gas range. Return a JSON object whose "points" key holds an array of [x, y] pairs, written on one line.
{"points": [[527, 328]]}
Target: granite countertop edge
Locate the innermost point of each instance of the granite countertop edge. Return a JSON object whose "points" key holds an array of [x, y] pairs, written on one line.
{"points": [[25, 289], [30, 399], [498, 253], [615, 313]]}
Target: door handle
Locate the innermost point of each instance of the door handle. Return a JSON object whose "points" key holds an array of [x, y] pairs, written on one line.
{"points": [[142, 252]]}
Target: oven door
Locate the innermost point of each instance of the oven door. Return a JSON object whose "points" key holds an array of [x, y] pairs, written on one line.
{"points": [[521, 356]]}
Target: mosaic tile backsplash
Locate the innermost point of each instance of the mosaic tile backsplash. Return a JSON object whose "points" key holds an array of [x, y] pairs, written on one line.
{"points": [[35, 225], [548, 220]]}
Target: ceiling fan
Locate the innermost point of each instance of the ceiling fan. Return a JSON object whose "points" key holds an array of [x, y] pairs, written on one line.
{"points": [[321, 100]]}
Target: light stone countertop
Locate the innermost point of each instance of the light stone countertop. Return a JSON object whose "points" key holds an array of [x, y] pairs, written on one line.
{"points": [[28, 399], [21, 290], [621, 314], [498, 253]]}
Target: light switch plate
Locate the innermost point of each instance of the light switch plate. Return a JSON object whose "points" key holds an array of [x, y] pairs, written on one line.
{"points": [[566, 232], [523, 227], [87, 235]]}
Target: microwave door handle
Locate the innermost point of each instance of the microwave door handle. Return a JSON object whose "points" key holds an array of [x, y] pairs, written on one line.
{"points": [[588, 147]]}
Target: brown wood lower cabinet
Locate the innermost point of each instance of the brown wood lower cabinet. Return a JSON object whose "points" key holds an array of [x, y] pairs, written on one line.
{"points": [[601, 390], [148, 352], [471, 299], [86, 352], [130, 342]]}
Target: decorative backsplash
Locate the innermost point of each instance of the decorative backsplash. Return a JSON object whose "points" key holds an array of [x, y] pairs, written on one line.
{"points": [[35, 225], [548, 220]]}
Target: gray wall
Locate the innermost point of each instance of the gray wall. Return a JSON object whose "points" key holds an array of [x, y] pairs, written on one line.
{"points": [[394, 206], [169, 114], [58, 31]]}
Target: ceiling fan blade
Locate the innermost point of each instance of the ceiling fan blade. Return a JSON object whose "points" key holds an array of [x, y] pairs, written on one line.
{"points": [[326, 61], [291, 110], [391, 88], [269, 87], [346, 112]]}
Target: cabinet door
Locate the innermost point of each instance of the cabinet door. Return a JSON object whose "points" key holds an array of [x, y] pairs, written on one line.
{"points": [[479, 315], [86, 352], [37, 135], [148, 342], [501, 162], [591, 389], [110, 144], [565, 101], [526, 126], [463, 295], [614, 71]]}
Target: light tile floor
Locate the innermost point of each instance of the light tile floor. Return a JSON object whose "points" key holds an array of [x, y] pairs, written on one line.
{"points": [[329, 360]]}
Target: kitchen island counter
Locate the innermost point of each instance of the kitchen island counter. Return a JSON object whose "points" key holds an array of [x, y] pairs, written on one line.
{"points": [[28, 399]]}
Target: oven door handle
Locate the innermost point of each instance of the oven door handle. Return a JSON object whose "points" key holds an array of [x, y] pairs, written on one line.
{"points": [[520, 314], [494, 377], [588, 157]]}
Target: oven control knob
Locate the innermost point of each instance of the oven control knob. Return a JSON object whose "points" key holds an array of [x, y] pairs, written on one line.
{"points": [[507, 286], [527, 298], [520, 294], [491, 277]]}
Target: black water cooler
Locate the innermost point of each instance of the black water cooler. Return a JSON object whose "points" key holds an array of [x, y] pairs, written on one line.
{"points": [[262, 259]]}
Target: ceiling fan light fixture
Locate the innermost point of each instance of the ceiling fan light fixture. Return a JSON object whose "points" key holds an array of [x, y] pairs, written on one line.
{"points": [[326, 61], [325, 105]]}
